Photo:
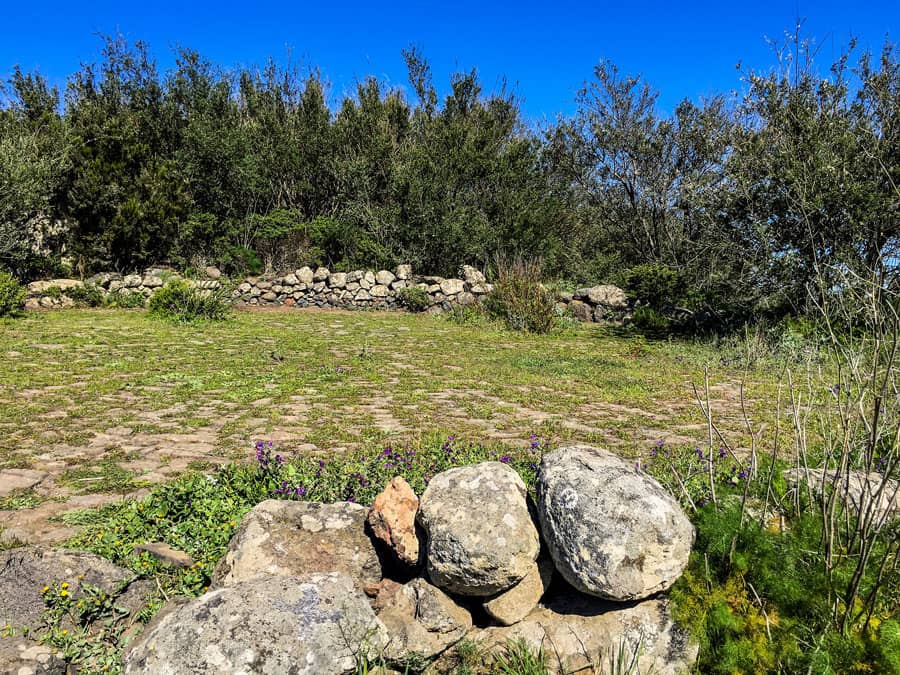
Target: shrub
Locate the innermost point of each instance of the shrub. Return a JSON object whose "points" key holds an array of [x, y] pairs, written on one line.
{"points": [[518, 297], [12, 295], [126, 299], [654, 284], [414, 298], [179, 300], [86, 296], [650, 320]]}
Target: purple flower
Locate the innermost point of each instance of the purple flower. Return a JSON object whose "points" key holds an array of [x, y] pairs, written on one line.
{"points": [[506, 459]]}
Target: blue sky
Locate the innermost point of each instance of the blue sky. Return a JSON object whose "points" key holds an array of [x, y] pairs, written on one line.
{"points": [[545, 50]]}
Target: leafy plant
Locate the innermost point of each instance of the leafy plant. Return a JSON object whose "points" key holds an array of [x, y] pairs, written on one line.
{"points": [[180, 300], [518, 297], [414, 298], [12, 295], [648, 319], [654, 284], [87, 295]]}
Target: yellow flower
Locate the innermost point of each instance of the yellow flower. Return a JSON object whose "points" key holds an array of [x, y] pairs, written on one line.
{"points": [[64, 585], [45, 589], [65, 632], [64, 594]]}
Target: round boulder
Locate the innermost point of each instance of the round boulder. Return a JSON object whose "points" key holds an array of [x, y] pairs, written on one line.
{"points": [[612, 531], [317, 623], [481, 539]]}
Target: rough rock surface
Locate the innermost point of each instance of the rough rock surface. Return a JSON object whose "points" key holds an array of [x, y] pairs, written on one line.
{"points": [[605, 295], [612, 531], [863, 490], [423, 620], [314, 624], [15, 480], [580, 633], [292, 538], [393, 519], [19, 656], [25, 571], [514, 604], [481, 539]]}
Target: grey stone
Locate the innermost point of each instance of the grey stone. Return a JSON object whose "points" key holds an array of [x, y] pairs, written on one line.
{"points": [[862, 491], [578, 630], [465, 298], [581, 310], [354, 276], [15, 480], [213, 272], [337, 280], [25, 571], [403, 272], [165, 554], [384, 277], [379, 291], [606, 295], [290, 280], [316, 624], [422, 621], [20, 656], [362, 295], [269, 296], [286, 538], [369, 278], [514, 604], [132, 281], [264, 285], [471, 275], [612, 531], [321, 274], [305, 275], [452, 286], [151, 282], [39, 287], [481, 539]]}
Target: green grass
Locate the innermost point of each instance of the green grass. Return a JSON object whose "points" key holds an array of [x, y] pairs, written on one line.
{"points": [[320, 377]]}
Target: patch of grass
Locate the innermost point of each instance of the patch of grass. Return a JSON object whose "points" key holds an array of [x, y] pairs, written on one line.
{"points": [[22, 499], [103, 476]]}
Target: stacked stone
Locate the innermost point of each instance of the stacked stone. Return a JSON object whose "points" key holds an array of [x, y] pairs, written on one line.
{"points": [[362, 289], [582, 569]]}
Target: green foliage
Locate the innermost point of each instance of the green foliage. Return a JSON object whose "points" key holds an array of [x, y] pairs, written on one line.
{"points": [[650, 320], [519, 299], [414, 298], [12, 295], [87, 295], [654, 284], [125, 298], [180, 300]]}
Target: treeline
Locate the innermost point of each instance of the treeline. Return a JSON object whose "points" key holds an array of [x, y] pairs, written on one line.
{"points": [[735, 205]]}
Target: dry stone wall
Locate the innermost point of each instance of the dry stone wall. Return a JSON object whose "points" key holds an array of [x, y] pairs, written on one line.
{"points": [[323, 288]]}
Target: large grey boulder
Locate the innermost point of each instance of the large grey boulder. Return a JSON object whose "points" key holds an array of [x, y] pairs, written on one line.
{"points": [[285, 538], [481, 539], [24, 572], [581, 633], [606, 295], [471, 275], [612, 531], [315, 624], [422, 621]]}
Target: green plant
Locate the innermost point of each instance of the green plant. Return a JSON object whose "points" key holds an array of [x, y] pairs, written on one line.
{"points": [[12, 295], [87, 295], [654, 284], [414, 298], [518, 297], [126, 299], [180, 300], [648, 319]]}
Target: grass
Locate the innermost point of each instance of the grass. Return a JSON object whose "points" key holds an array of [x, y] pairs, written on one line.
{"points": [[331, 379]]}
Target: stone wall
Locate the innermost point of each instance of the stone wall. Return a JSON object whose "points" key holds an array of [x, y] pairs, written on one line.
{"points": [[320, 287]]}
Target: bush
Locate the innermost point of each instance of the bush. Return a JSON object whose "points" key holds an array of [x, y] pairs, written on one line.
{"points": [[179, 300], [12, 295], [126, 299], [650, 320], [86, 296], [654, 284], [414, 298], [519, 299]]}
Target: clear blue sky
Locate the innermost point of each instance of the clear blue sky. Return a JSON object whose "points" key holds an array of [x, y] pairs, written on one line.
{"points": [[545, 50]]}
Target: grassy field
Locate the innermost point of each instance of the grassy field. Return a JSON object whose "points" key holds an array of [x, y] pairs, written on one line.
{"points": [[103, 403]]}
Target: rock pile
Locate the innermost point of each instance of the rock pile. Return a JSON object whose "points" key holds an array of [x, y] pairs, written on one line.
{"points": [[464, 560]]}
